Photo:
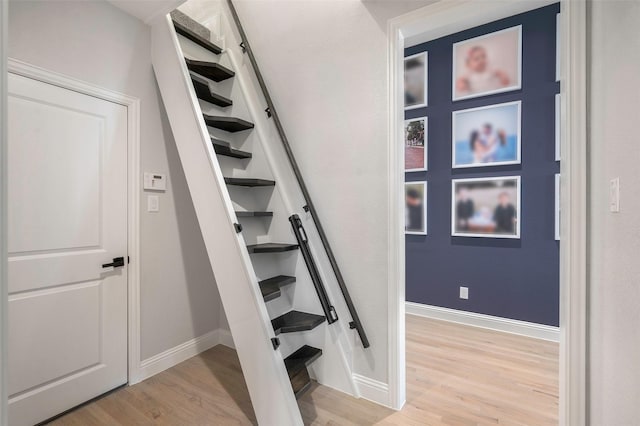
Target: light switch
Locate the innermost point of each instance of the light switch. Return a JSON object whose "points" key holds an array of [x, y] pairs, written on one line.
{"points": [[155, 181], [614, 195], [153, 203]]}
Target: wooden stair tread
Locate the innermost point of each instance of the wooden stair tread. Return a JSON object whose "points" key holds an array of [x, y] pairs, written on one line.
{"points": [[297, 364], [271, 247], [224, 148], [294, 321], [254, 214], [210, 70], [250, 182], [203, 91], [196, 38], [229, 124], [270, 287]]}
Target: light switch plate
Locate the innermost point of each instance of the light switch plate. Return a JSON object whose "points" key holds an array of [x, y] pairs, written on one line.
{"points": [[464, 293], [153, 203], [155, 181]]}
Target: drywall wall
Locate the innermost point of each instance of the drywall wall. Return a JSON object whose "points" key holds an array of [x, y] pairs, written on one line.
{"points": [[614, 297], [98, 43], [325, 64], [516, 279]]}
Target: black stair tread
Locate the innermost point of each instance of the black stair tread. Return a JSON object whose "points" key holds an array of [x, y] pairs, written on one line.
{"points": [[203, 90], [300, 383], [249, 182], [196, 38], [271, 247], [254, 214], [229, 124], [210, 70], [294, 321], [301, 359], [224, 148], [270, 287]]}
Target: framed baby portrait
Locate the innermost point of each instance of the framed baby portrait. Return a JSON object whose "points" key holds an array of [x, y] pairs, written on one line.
{"points": [[489, 64], [415, 195], [486, 136], [415, 144], [486, 207], [415, 80]]}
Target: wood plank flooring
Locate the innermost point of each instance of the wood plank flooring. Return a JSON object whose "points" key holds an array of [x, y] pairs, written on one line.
{"points": [[456, 375]]}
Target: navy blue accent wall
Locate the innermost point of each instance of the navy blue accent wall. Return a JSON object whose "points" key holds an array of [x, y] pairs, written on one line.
{"points": [[516, 279]]}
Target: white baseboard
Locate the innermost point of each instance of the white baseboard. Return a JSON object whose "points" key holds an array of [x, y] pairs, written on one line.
{"points": [[167, 359], [372, 390], [523, 328]]}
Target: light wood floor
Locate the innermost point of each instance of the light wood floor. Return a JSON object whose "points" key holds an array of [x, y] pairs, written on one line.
{"points": [[456, 375]]}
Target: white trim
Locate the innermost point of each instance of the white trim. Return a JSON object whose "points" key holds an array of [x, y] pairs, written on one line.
{"points": [[512, 88], [225, 338], [372, 390], [425, 156], [447, 17], [426, 81], [556, 221], [133, 183], [174, 356], [486, 179], [455, 114], [3, 213], [558, 126], [506, 325]]}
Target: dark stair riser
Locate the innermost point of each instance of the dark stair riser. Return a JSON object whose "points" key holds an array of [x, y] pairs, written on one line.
{"points": [[271, 248], [203, 91], [223, 148], [210, 70], [228, 124], [196, 38], [296, 365], [254, 214], [249, 182]]}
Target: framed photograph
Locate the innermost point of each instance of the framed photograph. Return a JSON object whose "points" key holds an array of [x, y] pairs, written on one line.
{"points": [[558, 45], [491, 63], [558, 129], [557, 215], [415, 80], [486, 136], [486, 207], [415, 195], [415, 144]]}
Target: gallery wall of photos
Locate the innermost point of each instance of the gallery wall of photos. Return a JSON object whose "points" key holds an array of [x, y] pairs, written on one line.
{"points": [[482, 160]]}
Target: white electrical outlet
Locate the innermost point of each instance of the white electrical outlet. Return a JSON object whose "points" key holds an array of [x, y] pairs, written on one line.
{"points": [[464, 293], [614, 195], [153, 203]]}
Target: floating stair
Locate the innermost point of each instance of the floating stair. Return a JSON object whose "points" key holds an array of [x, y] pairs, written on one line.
{"points": [[294, 321], [224, 148], [271, 247], [203, 90], [297, 364], [270, 288], [211, 70], [254, 214], [228, 124], [250, 182], [198, 39]]}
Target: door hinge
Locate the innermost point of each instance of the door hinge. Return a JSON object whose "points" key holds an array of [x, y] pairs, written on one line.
{"points": [[275, 342]]}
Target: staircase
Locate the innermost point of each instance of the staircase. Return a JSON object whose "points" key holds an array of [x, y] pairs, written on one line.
{"points": [[280, 329]]}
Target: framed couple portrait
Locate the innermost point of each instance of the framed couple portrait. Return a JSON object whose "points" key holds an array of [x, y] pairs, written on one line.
{"points": [[488, 64], [415, 195], [486, 136], [415, 80], [486, 207]]}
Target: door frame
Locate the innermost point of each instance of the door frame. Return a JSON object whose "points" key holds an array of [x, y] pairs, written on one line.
{"points": [[133, 195], [4, 301], [447, 17]]}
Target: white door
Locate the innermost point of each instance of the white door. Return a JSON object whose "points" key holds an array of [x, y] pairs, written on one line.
{"points": [[67, 216]]}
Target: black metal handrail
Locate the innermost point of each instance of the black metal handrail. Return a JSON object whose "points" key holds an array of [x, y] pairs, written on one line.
{"points": [[271, 111]]}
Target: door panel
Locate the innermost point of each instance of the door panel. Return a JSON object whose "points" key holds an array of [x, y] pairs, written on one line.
{"points": [[67, 181]]}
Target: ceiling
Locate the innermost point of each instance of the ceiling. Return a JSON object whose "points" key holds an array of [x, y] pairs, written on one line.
{"points": [[146, 10]]}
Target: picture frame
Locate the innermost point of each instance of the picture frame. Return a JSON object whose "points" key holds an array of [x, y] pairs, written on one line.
{"points": [[557, 208], [415, 208], [483, 207], [486, 136], [416, 144], [416, 87], [558, 129], [558, 45], [481, 67]]}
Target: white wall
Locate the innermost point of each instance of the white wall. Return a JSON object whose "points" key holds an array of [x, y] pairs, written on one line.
{"points": [[615, 238], [98, 43], [325, 63]]}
